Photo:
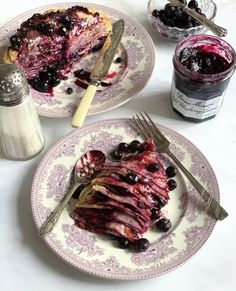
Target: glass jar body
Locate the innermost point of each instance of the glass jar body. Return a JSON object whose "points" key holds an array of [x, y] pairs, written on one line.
{"points": [[198, 97], [21, 134]]}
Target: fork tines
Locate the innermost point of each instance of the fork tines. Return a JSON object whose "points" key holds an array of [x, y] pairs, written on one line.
{"points": [[148, 128]]}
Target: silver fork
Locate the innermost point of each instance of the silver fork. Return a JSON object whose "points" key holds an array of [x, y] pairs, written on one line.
{"points": [[148, 129]]}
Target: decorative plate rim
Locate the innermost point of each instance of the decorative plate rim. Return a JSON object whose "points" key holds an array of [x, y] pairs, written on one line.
{"points": [[145, 274]]}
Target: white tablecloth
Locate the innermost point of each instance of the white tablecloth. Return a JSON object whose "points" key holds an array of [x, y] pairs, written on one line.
{"points": [[26, 262]]}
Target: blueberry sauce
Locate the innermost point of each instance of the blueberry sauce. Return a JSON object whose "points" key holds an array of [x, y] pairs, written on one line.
{"points": [[82, 78], [203, 66], [47, 27], [201, 60]]}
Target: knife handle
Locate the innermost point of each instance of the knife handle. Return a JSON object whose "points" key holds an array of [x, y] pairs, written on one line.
{"points": [[82, 109]]}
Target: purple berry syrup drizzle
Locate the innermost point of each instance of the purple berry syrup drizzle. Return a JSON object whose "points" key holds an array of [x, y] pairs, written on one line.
{"points": [[82, 77], [127, 153], [44, 74]]}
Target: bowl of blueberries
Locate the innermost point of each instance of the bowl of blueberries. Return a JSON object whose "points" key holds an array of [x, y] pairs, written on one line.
{"points": [[172, 23]]}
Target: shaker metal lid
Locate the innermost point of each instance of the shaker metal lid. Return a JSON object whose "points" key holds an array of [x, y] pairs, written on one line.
{"points": [[13, 84]]}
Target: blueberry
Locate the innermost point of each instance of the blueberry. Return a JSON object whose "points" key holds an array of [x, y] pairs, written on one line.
{"points": [[15, 42], [97, 47], [70, 25], [193, 4], [131, 178], [82, 74], [123, 146], [54, 81], [22, 32], [67, 20], [122, 191], [54, 69], [38, 15], [208, 62], [48, 29], [141, 245], [118, 60], [180, 23], [45, 28], [80, 8], [100, 196], [123, 243], [153, 167], [161, 201], [198, 10], [170, 9], [155, 213], [195, 23], [170, 22], [171, 171], [155, 13], [135, 146], [104, 84], [39, 85], [45, 75], [162, 13], [179, 14], [164, 224], [63, 31], [78, 191], [189, 25], [117, 155], [172, 184], [69, 91], [163, 18]]}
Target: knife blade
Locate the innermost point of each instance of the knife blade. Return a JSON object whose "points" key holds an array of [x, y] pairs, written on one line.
{"points": [[99, 71]]}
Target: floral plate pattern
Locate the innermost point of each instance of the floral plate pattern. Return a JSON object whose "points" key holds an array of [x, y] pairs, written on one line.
{"points": [[139, 53], [98, 255]]}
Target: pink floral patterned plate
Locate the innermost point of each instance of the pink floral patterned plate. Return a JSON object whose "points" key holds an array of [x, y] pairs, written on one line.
{"points": [[97, 254], [136, 49]]}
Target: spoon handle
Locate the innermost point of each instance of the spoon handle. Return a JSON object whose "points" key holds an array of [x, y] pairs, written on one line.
{"points": [[51, 221], [216, 29]]}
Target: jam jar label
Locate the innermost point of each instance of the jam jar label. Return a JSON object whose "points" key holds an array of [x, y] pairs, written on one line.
{"points": [[194, 108]]}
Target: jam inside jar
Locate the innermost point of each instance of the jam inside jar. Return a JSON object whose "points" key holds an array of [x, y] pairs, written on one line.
{"points": [[203, 66]]}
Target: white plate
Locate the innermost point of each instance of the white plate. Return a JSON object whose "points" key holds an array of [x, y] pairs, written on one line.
{"points": [[136, 48], [98, 255]]}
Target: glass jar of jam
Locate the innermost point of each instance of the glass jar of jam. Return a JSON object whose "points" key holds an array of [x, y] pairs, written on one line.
{"points": [[203, 66]]}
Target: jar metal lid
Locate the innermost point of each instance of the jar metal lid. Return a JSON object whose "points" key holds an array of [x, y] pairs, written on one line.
{"points": [[13, 85]]}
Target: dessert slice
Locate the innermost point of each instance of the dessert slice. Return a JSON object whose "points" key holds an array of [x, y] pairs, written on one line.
{"points": [[47, 46], [124, 198]]}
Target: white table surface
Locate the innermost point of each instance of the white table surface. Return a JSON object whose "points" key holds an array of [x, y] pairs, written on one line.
{"points": [[27, 263]]}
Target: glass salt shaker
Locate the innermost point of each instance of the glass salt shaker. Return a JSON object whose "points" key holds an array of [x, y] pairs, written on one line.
{"points": [[20, 129]]}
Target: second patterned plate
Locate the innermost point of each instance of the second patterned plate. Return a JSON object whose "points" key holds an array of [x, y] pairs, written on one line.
{"points": [[98, 255]]}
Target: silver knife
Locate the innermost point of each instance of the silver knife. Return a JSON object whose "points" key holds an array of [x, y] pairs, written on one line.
{"points": [[99, 71]]}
